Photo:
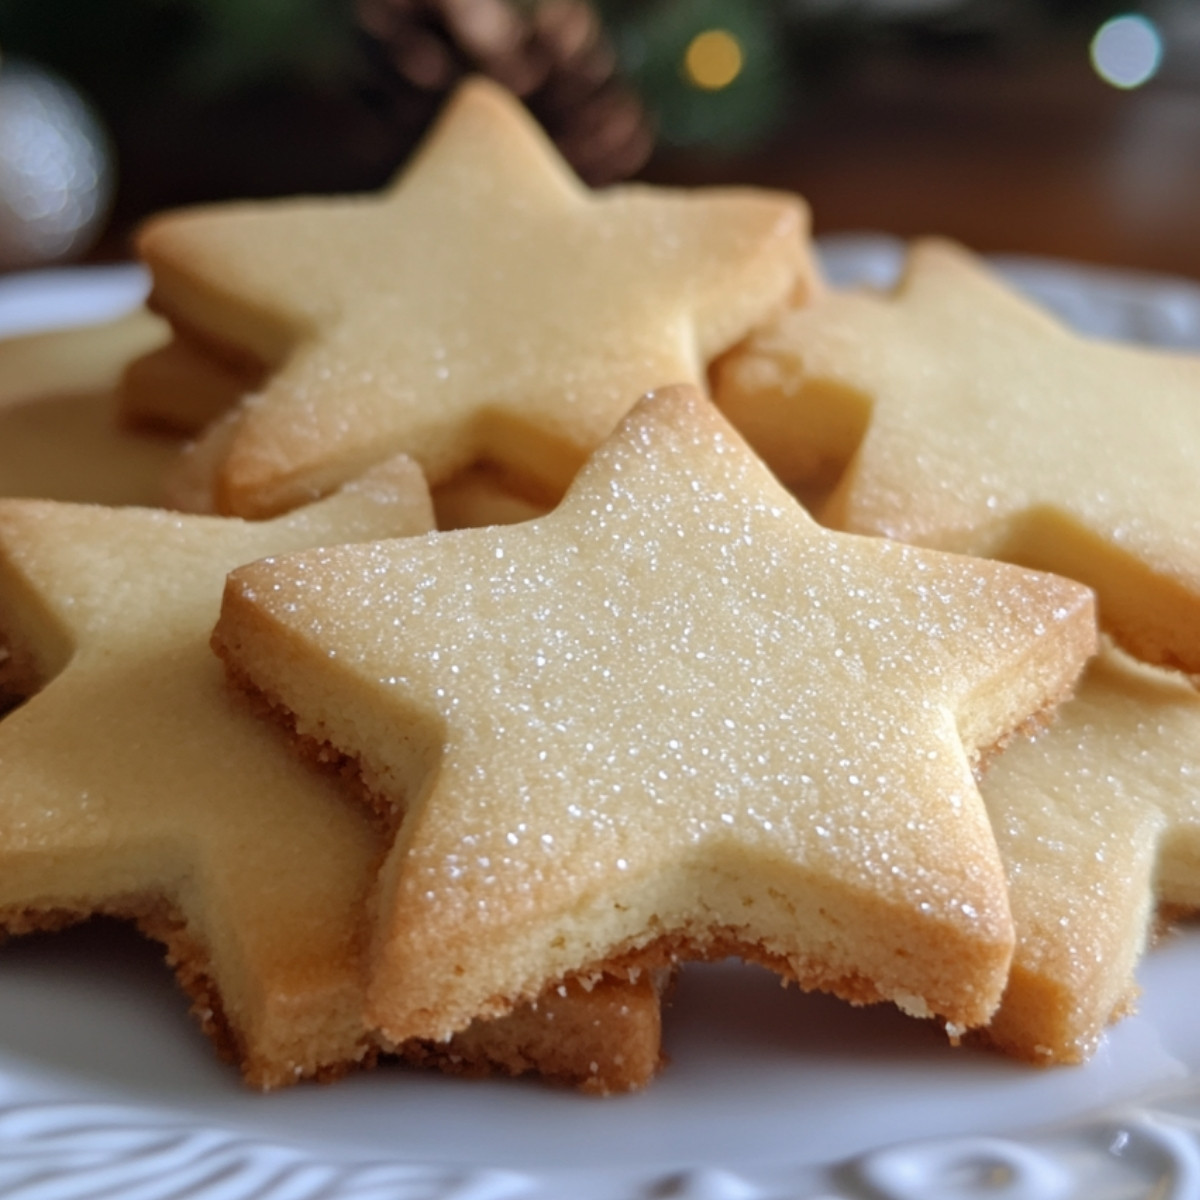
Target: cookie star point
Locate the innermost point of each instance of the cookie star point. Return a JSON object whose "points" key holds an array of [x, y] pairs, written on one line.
{"points": [[1098, 821], [478, 309], [674, 716], [133, 782], [516, 152], [988, 427]]}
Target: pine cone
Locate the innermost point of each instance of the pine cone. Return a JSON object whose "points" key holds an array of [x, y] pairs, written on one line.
{"points": [[554, 56]]}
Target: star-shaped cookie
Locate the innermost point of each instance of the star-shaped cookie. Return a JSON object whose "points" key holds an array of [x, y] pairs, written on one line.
{"points": [[135, 782], [59, 437], [1097, 819], [673, 716], [992, 429], [179, 389], [486, 306], [80, 358]]}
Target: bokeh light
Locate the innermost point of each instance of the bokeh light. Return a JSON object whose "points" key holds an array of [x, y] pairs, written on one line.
{"points": [[1127, 51], [713, 59]]}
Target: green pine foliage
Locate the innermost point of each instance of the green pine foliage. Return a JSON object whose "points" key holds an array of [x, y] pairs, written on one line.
{"points": [[653, 40]]}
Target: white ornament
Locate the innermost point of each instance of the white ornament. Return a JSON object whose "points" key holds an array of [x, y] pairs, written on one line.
{"points": [[55, 177]]}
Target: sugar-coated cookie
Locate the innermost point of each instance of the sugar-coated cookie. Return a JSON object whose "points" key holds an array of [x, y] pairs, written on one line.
{"points": [[59, 437], [133, 781], [480, 497], [83, 358], [486, 306], [477, 496], [179, 388], [673, 717], [978, 423], [1098, 820], [602, 1037]]}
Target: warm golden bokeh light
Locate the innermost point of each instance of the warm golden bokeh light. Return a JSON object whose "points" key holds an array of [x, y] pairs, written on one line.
{"points": [[713, 59]]}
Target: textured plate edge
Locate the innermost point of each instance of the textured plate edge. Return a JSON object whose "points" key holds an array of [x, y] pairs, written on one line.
{"points": [[95, 1149]]}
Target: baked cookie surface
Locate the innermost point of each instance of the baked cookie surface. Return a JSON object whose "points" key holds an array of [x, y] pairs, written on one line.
{"points": [[486, 306], [673, 714], [968, 419], [59, 434], [134, 782], [1098, 820]]}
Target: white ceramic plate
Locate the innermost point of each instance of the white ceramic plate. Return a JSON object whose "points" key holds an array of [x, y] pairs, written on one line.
{"points": [[107, 1090]]}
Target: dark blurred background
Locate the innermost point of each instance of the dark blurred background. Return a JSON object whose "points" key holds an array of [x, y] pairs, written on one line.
{"points": [[1059, 127]]}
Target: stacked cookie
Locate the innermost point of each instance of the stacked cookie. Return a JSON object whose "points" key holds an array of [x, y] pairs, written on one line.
{"points": [[953, 413], [478, 669]]}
